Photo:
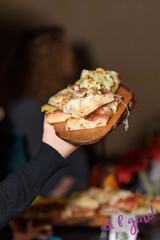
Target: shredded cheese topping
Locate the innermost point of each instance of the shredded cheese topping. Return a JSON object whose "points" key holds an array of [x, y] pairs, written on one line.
{"points": [[97, 79]]}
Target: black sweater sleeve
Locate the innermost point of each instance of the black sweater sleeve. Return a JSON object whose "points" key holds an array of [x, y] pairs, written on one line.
{"points": [[20, 188]]}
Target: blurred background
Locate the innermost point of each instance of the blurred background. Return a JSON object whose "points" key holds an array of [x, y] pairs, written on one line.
{"points": [[44, 45], [119, 35]]}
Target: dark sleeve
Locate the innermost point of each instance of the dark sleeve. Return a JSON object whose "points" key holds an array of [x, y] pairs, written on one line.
{"points": [[20, 188]]}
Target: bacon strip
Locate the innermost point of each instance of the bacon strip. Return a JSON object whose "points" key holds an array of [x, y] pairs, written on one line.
{"points": [[101, 112]]}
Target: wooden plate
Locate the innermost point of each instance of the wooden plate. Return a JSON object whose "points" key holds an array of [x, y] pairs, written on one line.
{"points": [[90, 136]]}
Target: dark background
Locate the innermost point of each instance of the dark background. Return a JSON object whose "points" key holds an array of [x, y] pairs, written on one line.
{"points": [[117, 35]]}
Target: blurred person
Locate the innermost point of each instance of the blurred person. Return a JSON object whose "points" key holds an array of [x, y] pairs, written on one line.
{"points": [[44, 64]]}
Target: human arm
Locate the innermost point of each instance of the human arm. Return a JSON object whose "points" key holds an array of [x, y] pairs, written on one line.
{"points": [[20, 188]]}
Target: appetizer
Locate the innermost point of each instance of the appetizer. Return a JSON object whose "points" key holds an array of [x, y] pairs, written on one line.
{"points": [[89, 103]]}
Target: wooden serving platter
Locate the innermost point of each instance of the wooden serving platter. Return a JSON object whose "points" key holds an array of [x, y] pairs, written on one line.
{"points": [[92, 221], [90, 136]]}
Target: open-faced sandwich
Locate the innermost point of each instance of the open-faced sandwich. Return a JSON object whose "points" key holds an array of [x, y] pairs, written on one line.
{"points": [[85, 112], [89, 103]]}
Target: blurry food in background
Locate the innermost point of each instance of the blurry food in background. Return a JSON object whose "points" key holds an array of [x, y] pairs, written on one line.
{"points": [[91, 203], [127, 201], [103, 195], [45, 208], [155, 202], [81, 205]]}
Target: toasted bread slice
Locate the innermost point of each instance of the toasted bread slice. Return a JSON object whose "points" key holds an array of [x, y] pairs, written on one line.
{"points": [[80, 123], [80, 107], [56, 116]]}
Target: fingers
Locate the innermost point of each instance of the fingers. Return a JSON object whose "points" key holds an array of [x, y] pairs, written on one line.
{"points": [[50, 137]]}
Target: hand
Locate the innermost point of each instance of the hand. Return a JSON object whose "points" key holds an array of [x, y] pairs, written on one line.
{"points": [[50, 137]]}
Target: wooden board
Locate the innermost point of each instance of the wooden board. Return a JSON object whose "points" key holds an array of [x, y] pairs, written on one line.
{"points": [[93, 221], [90, 136]]}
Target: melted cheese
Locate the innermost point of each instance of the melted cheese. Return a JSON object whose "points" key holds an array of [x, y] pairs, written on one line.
{"points": [[113, 105], [98, 79], [79, 107]]}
